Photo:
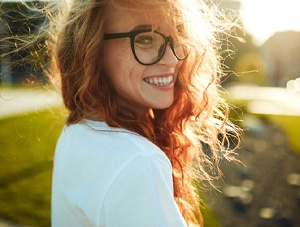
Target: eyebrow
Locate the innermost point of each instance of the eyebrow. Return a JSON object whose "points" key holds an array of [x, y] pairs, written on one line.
{"points": [[142, 26]]}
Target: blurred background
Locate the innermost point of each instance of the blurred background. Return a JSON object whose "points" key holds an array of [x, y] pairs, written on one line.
{"points": [[263, 87]]}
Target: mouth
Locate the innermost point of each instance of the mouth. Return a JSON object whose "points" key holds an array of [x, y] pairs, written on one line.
{"points": [[159, 81]]}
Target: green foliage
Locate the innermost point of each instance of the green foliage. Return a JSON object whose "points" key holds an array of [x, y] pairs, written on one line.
{"points": [[237, 47], [250, 69], [27, 145]]}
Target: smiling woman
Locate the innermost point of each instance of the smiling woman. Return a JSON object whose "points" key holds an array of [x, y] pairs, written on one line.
{"points": [[263, 18], [139, 79]]}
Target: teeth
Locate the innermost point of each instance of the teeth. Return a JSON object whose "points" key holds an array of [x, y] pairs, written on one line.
{"points": [[159, 81]]}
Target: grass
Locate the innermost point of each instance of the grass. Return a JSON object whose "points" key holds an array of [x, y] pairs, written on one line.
{"points": [[291, 125], [27, 145], [209, 217]]}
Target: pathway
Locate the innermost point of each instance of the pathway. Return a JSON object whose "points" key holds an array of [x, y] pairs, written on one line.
{"points": [[24, 100]]}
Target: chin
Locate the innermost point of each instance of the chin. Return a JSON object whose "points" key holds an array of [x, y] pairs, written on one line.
{"points": [[163, 106]]}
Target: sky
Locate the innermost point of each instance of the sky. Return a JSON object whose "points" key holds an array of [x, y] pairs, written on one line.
{"points": [[262, 18]]}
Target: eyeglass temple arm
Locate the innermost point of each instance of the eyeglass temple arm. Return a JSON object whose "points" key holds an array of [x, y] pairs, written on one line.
{"points": [[116, 35]]}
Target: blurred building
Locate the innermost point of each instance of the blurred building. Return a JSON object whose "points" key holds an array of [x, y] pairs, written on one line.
{"points": [[282, 58]]}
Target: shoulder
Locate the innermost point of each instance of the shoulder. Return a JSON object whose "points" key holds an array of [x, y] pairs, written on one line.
{"points": [[98, 137], [98, 148]]}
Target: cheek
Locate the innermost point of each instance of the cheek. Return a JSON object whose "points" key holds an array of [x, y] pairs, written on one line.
{"points": [[115, 60]]}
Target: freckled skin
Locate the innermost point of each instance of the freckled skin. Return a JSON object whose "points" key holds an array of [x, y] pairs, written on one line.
{"points": [[128, 76]]}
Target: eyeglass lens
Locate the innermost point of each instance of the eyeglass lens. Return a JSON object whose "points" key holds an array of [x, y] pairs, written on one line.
{"points": [[150, 46]]}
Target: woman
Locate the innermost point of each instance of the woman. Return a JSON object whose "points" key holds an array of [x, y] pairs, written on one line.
{"points": [[139, 78]]}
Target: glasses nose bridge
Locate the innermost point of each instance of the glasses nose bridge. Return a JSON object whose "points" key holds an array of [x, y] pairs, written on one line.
{"points": [[169, 40], [171, 57]]}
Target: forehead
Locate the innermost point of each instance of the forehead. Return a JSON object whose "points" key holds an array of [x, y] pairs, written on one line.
{"points": [[122, 19]]}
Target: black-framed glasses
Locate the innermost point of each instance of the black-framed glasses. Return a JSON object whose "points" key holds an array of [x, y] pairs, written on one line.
{"points": [[149, 46]]}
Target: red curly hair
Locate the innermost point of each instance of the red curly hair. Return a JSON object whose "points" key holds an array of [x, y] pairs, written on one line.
{"points": [[197, 116]]}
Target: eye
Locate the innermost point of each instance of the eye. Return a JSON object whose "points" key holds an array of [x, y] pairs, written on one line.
{"points": [[145, 39]]}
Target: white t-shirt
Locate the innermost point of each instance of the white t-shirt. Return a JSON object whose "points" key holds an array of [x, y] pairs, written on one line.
{"points": [[111, 177]]}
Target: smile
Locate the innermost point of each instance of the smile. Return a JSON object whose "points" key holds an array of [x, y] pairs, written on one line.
{"points": [[159, 81]]}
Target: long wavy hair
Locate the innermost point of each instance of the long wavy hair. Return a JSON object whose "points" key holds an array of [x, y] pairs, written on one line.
{"points": [[196, 122]]}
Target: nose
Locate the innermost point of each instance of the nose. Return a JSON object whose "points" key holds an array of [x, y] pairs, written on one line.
{"points": [[168, 57]]}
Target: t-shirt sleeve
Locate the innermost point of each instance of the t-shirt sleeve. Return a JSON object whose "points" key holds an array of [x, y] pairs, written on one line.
{"points": [[142, 195]]}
